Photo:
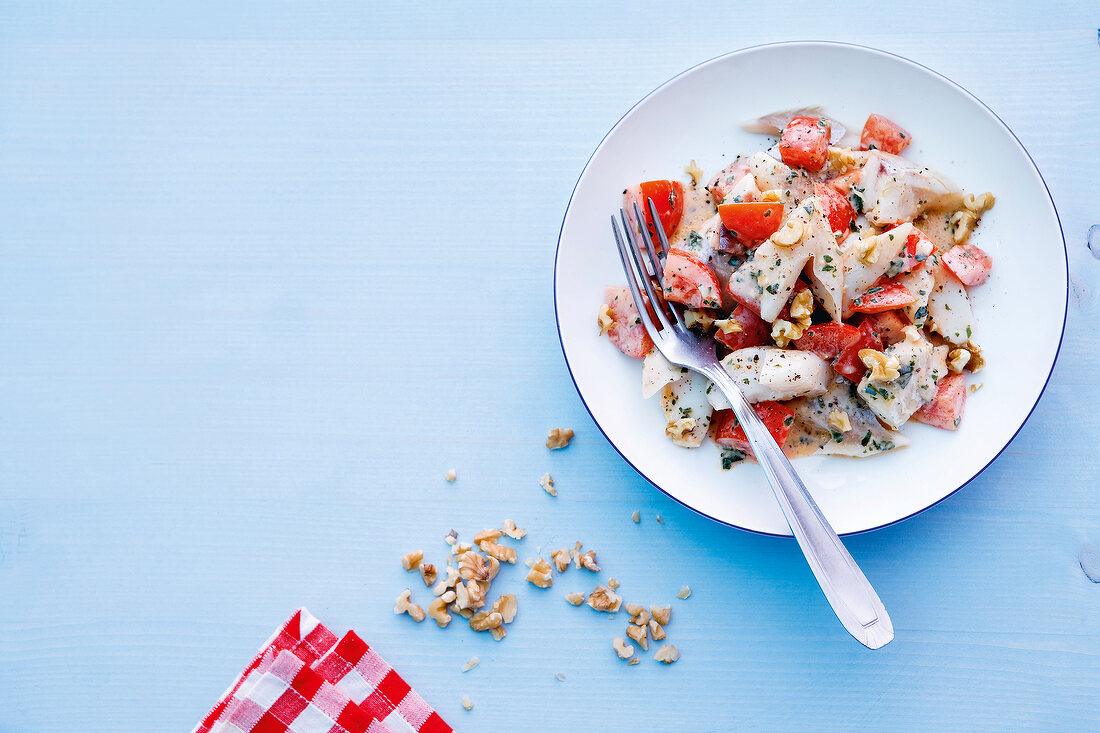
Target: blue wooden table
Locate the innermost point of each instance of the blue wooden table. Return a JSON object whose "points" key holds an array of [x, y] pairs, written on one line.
{"points": [[267, 271]]}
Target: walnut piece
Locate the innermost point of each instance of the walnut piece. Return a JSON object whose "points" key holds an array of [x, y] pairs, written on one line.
{"points": [[883, 368], [498, 633], [428, 573], [633, 609], [466, 703], [612, 584], [638, 634], [405, 605], [540, 574], [486, 534], [470, 664], [663, 614], [472, 566], [485, 620], [633, 661], [437, 609], [588, 561], [604, 319], [604, 599], [561, 559], [641, 618], [789, 234], [575, 598], [506, 607], [784, 332], [695, 172], [656, 630], [684, 593], [509, 528], [469, 596], [667, 654], [957, 360], [411, 560], [445, 583], [547, 484], [622, 648], [451, 538], [636, 516], [839, 421], [451, 475], [500, 552], [559, 438]]}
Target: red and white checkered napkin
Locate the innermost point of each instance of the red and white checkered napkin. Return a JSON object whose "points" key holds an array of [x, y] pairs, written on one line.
{"points": [[304, 680]]}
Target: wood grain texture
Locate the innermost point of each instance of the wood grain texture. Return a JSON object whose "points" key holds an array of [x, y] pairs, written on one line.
{"points": [[268, 272]]}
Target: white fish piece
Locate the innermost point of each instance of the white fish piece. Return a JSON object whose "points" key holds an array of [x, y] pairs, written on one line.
{"points": [[770, 373], [776, 122], [949, 311], [826, 267], [859, 274], [867, 437], [771, 174], [892, 189], [895, 401], [686, 399], [767, 280], [920, 282], [729, 178], [657, 371], [716, 398]]}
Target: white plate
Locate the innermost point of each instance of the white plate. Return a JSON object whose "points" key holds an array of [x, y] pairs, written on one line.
{"points": [[697, 115]]}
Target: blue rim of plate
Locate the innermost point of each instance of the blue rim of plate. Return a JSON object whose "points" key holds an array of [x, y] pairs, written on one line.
{"points": [[964, 90]]}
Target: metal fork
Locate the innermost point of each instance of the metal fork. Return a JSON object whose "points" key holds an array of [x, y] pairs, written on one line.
{"points": [[853, 599]]}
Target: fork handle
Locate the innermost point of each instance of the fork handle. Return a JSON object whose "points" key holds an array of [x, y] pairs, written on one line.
{"points": [[849, 593]]}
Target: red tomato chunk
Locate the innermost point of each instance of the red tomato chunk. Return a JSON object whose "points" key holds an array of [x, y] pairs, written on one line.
{"points": [[754, 330], [628, 333], [751, 223], [879, 133], [883, 296], [968, 263], [805, 143], [728, 433], [668, 197], [838, 210], [848, 363], [945, 410], [688, 280], [827, 340]]}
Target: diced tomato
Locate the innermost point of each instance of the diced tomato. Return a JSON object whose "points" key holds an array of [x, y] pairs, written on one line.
{"points": [[805, 143], [668, 197], [883, 296], [752, 223], [754, 330], [967, 262], [848, 363], [727, 178], [843, 183], [827, 340], [688, 280], [888, 325], [728, 433], [945, 410], [918, 248], [628, 333], [879, 133], [728, 243], [838, 210]]}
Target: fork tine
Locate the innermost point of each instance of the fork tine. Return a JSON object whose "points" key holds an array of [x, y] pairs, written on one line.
{"points": [[653, 255], [632, 266], [643, 230], [656, 300]]}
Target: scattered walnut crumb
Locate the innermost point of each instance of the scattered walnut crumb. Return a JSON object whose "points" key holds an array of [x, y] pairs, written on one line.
{"points": [[604, 599], [467, 703], [540, 574], [659, 520], [506, 606], [604, 319], [559, 677], [575, 598], [667, 654], [636, 516], [561, 559], [547, 484], [622, 648], [588, 561], [975, 387], [428, 573], [451, 475], [437, 609], [509, 528], [695, 172], [559, 438], [445, 583], [656, 630], [633, 661], [684, 593], [405, 605], [638, 634], [485, 620], [411, 560], [451, 538], [470, 664], [498, 633], [612, 584], [500, 552], [663, 613]]}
